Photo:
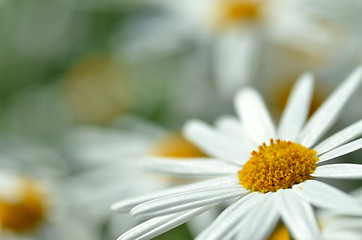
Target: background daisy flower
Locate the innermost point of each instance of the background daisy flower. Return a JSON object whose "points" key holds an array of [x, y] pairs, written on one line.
{"points": [[232, 37], [333, 226], [267, 181], [100, 153], [33, 201]]}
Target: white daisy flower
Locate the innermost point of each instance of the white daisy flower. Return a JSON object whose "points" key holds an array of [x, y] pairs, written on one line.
{"points": [[33, 202], [234, 36], [266, 181], [333, 226], [336, 227], [100, 153], [36, 208]]}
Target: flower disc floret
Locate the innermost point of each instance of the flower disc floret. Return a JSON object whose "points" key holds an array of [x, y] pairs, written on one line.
{"points": [[279, 165], [236, 10], [24, 214], [230, 12]]}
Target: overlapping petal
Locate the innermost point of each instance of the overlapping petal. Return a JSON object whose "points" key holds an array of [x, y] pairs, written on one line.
{"points": [[342, 150], [325, 196], [196, 168], [226, 224], [214, 142], [341, 170], [254, 115], [339, 138], [327, 113], [161, 224], [296, 110], [128, 204], [297, 215], [186, 201], [266, 213]]}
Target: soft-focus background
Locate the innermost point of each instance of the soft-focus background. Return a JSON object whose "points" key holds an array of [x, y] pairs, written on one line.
{"points": [[87, 87]]}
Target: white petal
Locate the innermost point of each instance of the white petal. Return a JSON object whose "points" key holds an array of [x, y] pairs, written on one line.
{"points": [[297, 215], [297, 108], [261, 221], [186, 201], [159, 225], [214, 142], [201, 222], [328, 112], [128, 204], [345, 170], [325, 196], [339, 138], [342, 150], [226, 224], [200, 168], [342, 223], [254, 115], [236, 57], [233, 128], [343, 234]]}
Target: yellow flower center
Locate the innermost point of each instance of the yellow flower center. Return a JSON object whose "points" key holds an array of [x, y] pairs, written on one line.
{"points": [[280, 233], [229, 12], [25, 213], [97, 89], [281, 90], [175, 145], [237, 10], [280, 165]]}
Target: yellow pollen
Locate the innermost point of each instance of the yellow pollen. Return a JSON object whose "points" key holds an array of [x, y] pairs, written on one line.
{"points": [[280, 165], [233, 11], [175, 145], [26, 213], [241, 9], [280, 233]]}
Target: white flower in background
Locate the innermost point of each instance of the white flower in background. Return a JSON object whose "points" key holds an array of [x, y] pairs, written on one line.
{"points": [[267, 181], [32, 208], [333, 226], [336, 227], [94, 101], [98, 154], [107, 159], [235, 34], [33, 203], [22, 204]]}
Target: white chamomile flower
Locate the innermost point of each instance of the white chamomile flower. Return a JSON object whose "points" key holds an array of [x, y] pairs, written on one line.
{"points": [[333, 226], [101, 152], [33, 208], [266, 181], [23, 204], [33, 203], [234, 36]]}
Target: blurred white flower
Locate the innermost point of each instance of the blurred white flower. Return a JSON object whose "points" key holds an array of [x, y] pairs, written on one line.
{"points": [[278, 180], [97, 89], [333, 226], [34, 205], [234, 36], [107, 162]]}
